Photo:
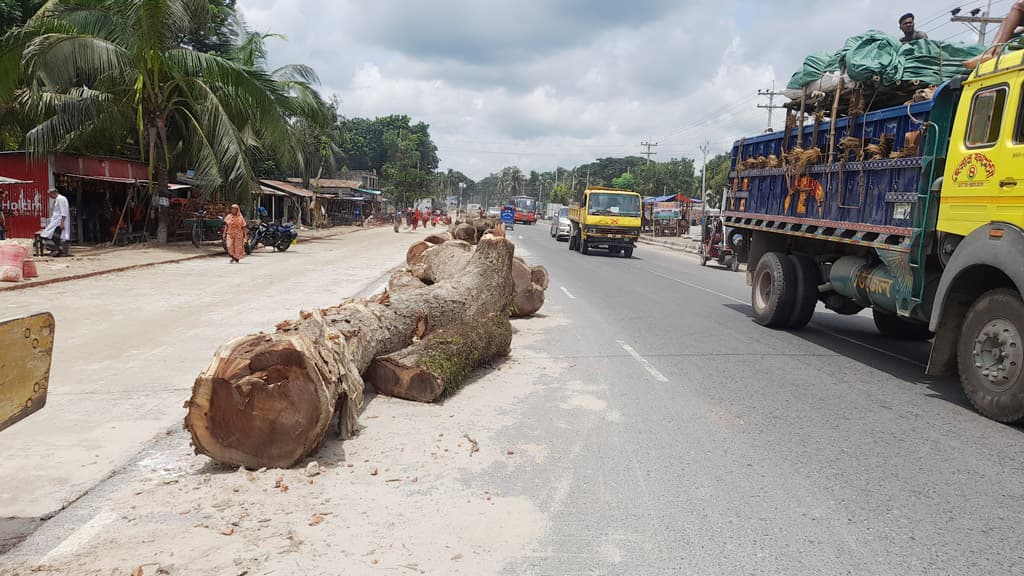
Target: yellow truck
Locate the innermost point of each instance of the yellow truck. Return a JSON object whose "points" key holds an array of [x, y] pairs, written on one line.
{"points": [[924, 226], [608, 218]]}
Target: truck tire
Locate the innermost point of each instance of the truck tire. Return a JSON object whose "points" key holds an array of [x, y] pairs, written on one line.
{"points": [[627, 252], [990, 355], [773, 293], [807, 279], [584, 247], [572, 240], [893, 326]]}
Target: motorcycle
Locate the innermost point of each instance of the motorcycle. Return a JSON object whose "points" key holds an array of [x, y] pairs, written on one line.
{"points": [[268, 233]]}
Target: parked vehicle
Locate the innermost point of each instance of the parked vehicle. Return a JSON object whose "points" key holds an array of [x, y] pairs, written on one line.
{"points": [[922, 224], [269, 233], [561, 227], [526, 209], [607, 218], [494, 212]]}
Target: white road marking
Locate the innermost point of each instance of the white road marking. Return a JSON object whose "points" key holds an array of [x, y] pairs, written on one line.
{"points": [[643, 362], [698, 287], [80, 537], [567, 293], [829, 332]]}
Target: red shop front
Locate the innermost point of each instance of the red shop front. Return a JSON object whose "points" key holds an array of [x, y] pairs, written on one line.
{"points": [[25, 205]]}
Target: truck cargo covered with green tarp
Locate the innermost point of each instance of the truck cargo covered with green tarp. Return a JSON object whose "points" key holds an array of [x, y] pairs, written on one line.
{"points": [[875, 57]]}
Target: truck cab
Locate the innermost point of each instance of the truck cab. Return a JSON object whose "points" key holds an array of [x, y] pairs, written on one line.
{"points": [[607, 218]]}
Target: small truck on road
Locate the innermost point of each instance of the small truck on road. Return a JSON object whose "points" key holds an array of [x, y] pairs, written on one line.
{"points": [[607, 218]]}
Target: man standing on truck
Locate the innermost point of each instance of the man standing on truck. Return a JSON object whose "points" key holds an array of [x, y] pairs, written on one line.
{"points": [[909, 33]]}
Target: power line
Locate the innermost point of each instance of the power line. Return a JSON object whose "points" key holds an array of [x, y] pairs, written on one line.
{"points": [[771, 94], [648, 145]]}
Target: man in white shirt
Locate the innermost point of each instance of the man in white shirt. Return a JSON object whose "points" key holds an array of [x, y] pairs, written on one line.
{"points": [[58, 229]]}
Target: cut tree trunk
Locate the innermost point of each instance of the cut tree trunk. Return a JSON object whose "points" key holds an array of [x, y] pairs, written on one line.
{"points": [[439, 238], [528, 296], [439, 364], [465, 232], [441, 262], [267, 400]]}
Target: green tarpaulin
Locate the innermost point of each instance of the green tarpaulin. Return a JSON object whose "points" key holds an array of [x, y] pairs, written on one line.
{"points": [[877, 57]]}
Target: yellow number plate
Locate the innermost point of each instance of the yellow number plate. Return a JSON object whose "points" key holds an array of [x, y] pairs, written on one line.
{"points": [[26, 349]]}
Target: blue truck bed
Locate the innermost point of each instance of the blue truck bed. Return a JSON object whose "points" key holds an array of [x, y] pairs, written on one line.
{"points": [[868, 202]]}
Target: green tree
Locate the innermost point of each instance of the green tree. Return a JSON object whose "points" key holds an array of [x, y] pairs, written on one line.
{"points": [[718, 178], [101, 69], [626, 181], [561, 195]]}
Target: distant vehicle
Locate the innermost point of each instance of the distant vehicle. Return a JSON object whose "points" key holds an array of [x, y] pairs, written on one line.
{"points": [[472, 209], [526, 209], [494, 212], [561, 227], [553, 210]]}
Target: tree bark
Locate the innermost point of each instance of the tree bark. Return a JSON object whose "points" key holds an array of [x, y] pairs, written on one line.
{"points": [[439, 364], [528, 296], [267, 400], [465, 232], [441, 262]]}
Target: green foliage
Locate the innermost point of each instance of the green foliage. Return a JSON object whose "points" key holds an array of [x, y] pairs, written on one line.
{"points": [[560, 195], [718, 178], [627, 182]]}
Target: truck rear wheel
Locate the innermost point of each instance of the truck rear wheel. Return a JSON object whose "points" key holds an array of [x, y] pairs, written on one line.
{"points": [[990, 355], [773, 293], [893, 326], [584, 248], [627, 252], [572, 240], [807, 280]]}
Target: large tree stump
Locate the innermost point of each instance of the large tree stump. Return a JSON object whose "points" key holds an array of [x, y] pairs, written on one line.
{"points": [[439, 364], [465, 232], [441, 262], [267, 400]]}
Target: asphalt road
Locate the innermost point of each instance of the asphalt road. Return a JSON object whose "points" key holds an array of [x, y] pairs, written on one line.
{"points": [[643, 425], [728, 448]]}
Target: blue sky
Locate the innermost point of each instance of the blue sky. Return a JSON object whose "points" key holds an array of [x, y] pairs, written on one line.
{"points": [[540, 83]]}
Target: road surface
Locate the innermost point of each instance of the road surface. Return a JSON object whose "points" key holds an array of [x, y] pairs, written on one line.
{"points": [[642, 425]]}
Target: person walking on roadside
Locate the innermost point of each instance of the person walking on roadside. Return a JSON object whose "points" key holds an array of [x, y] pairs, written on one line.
{"points": [[234, 233], [58, 229], [3, 225]]}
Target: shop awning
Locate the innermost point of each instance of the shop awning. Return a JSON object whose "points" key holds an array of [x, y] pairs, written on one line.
{"points": [[287, 188], [269, 192], [170, 186], [671, 198]]}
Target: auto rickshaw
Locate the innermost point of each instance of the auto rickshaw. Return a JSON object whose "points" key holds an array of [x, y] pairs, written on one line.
{"points": [[713, 245]]}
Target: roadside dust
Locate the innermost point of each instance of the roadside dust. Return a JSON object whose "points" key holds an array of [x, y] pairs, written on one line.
{"points": [[407, 495]]}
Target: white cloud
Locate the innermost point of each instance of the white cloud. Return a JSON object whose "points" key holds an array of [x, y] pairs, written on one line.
{"points": [[541, 83]]}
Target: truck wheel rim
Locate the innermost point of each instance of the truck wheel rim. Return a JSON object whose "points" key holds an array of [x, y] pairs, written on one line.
{"points": [[998, 354], [763, 294]]}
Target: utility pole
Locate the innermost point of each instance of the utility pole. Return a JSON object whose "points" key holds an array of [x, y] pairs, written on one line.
{"points": [[983, 19], [648, 145], [705, 148], [771, 94]]}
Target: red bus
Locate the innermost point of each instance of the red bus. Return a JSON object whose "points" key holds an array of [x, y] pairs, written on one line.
{"points": [[526, 209]]}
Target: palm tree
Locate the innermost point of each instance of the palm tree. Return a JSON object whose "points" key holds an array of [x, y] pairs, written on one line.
{"points": [[102, 69]]}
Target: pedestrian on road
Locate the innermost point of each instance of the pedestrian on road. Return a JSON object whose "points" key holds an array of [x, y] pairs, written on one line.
{"points": [[415, 219], [58, 229], [234, 233]]}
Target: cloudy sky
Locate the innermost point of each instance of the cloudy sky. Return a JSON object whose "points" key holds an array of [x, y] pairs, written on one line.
{"points": [[540, 83]]}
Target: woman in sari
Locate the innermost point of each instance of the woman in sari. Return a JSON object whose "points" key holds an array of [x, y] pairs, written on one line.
{"points": [[234, 233]]}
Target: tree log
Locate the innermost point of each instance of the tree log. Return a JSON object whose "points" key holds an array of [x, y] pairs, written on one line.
{"points": [[539, 276], [439, 364], [401, 281], [416, 249], [528, 296], [441, 262], [465, 232], [439, 238], [267, 400]]}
